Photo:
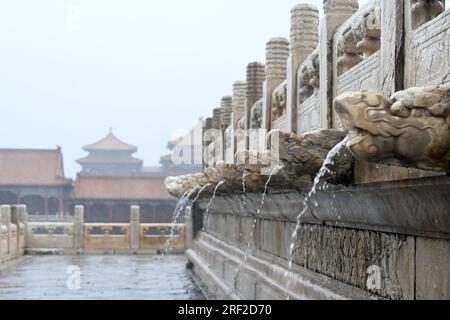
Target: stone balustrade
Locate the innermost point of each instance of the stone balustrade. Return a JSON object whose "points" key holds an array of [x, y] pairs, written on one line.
{"points": [[360, 39], [352, 48], [19, 236], [384, 211], [12, 232]]}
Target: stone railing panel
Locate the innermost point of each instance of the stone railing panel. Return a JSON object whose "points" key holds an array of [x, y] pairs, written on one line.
{"points": [[363, 76], [309, 115], [358, 38], [158, 237], [278, 106], [13, 240], [280, 123], [428, 53], [47, 235], [229, 144], [309, 111], [98, 236]]}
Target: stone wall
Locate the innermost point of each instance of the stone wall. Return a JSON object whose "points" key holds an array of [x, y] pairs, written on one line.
{"points": [[340, 258]]}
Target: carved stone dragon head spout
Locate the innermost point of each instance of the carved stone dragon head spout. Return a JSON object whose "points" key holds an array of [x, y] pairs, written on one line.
{"points": [[411, 129]]}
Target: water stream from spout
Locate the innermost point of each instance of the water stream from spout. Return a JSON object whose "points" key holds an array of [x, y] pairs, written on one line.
{"points": [[258, 211], [266, 186], [181, 204], [208, 208], [200, 192], [244, 190], [325, 169]]}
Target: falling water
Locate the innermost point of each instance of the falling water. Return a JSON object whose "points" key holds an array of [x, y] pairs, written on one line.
{"points": [[263, 199], [205, 219], [244, 189], [200, 192], [181, 204], [329, 161], [258, 211]]}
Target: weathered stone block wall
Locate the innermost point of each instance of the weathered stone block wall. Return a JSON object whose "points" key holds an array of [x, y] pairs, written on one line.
{"points": [[340, 253], [350, 256]]}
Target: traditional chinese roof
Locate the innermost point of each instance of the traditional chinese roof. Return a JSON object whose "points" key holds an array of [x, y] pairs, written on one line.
{"points": [[173, 143], [32, 167], [109, 160], [120, 188], [110, 143]]}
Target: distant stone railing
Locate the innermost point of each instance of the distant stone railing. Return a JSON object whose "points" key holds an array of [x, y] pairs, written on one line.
{"points": [[50, 218], [12, 232], [81, 237], [45, 235], [19, 235], [155, 236]]}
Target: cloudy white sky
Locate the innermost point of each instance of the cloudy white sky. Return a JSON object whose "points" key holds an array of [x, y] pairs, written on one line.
{"points": [[145, 68]]}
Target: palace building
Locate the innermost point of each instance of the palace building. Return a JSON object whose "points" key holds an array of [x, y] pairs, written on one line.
{"points": [[35, 178], [108, 198], [110, 181], [110, 156]]}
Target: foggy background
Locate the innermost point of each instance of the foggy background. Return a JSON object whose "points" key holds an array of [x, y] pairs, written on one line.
{"points": [[70, 70]]}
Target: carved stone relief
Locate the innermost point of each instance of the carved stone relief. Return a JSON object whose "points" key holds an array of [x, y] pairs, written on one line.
{"points": [[279, 101], [384, 130], [308, 77], [347, 254], [256, 115], [423, 11], [360, 40]]}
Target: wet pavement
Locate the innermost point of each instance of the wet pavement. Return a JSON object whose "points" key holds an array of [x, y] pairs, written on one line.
{"points": [[99, 277]]}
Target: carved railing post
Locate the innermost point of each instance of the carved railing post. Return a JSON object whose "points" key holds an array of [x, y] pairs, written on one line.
{"points": [[255, 79], [206, 137], [23, 221], [226, 110], [336, 13], [392, 36], [277, 54], [217, 138], [15, 219], [6, 221], [134, 227], [216, 119], [239, 96], [304, 39], [78, 228]]}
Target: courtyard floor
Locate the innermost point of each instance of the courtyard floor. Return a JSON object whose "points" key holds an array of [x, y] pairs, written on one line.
{"points": [[99, 277]]}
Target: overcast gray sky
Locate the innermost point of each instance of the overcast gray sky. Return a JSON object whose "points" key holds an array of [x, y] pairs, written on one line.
{"points": [[146, 68]]}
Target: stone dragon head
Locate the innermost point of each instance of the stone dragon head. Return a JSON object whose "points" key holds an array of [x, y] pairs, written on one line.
{"points": [[411, 129]]}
